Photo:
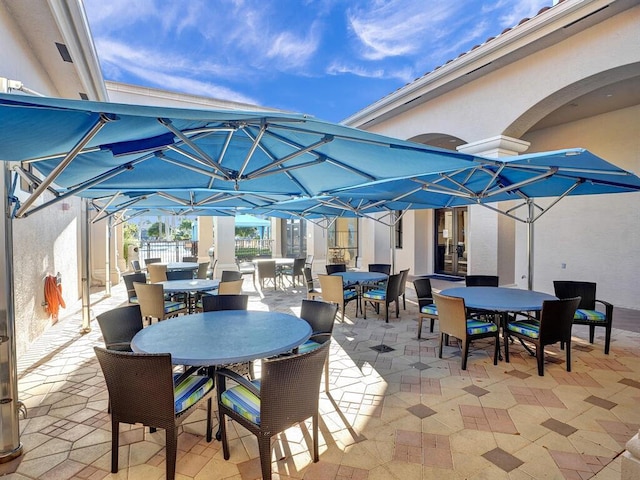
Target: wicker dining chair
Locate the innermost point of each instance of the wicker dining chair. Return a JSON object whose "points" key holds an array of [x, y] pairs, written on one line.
{"points": [[586, 313], [554, 325], [119, 325], [190, 259], [426, 307], [135, 264], [287, 394], [201, 273], [230, 275], [379, 296], [157, 272], [321, 316], [267, 271], [129, 279], [150, 260], [482, 280], [142, 390], [179, 275], [214, 303], [312, 291], [295, 270], [336, 268], [230, 288], [380, 268], [453, 320], [153, 304], [333, 291]]}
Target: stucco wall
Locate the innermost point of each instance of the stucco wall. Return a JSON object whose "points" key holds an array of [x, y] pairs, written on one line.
{"points": [[597, 237]]}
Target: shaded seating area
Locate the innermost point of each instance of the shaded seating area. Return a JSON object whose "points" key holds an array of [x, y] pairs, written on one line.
{"points": [[554, 325], [453, 321], [287, 394], [143, 389], [586, 313]]}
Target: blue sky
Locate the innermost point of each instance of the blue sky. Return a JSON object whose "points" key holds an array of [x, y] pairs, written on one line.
{"points": [[327, 58]]}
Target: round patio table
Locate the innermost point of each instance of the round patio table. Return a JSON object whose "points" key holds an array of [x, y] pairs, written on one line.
{"points": [[195, 285], [222, 337], [500, 299]]}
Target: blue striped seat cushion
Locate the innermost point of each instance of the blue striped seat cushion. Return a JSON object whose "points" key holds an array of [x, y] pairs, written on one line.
{"points": [[429, 309], [529, 327], [133, 299], [349, 294], [190, 390], [243, 402], [375, 294], [474, 327], [590, 316], [308, 346], [170, 307]]}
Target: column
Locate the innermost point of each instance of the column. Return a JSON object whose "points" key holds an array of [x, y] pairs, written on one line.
{"points": [[492, 245]]}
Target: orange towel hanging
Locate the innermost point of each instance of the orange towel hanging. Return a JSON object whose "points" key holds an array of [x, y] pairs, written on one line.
{"points": [[53, 296]]}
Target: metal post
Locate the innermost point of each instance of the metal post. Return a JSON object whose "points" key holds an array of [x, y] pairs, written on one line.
{"points": [[107, 260], [10, 446], [530, 206], [84, 260], [392, 244]]}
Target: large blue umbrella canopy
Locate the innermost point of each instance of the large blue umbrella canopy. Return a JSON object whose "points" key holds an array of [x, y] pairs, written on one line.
{"points": [[80, 145]]}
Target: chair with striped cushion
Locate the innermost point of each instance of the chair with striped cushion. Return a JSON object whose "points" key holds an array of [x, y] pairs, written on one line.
{"points": [[586, 313], [333, 290], [143, 389], [153, 304], [426, 307], [556, 320], [452, 319], [391, 293], [287, 394]]}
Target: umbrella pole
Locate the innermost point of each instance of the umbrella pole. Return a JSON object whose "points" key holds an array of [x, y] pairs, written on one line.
{"points": [[84, 260], [107, 260], [10, 446], [530, 206]]}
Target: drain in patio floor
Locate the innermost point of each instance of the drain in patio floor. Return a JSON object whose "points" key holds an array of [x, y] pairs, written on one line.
{"points": [[382, 348]]}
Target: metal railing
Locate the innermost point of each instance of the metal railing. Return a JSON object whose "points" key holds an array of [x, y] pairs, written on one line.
{"points": [[250, 248], [168, 250]]}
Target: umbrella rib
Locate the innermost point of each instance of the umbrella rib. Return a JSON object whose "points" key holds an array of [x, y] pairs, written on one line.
{"points": [[111, 200], [291, 156], [120, 208], [101, 121], [175, 199], [193, 168], [256, 142], [32, 179], [167, 123]]}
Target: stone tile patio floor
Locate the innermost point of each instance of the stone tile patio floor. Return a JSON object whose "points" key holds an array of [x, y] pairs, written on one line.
{"points": [[401, 414]]}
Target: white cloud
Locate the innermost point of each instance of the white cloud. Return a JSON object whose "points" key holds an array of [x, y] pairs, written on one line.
{"points": [[405, 74]]}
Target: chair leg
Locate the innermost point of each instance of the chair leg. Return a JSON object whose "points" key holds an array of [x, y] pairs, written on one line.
{"points": [[115, 445], [433, 321], [569, 356], [540, 358], [386, 312], [505, 338], [440, 345], [419, 327], [465, 353], [497, 348], [171, 435], [592, 332], [326, 375], [223, 436], [209, 423], [314, 420], [264, 447], [607, 339]]}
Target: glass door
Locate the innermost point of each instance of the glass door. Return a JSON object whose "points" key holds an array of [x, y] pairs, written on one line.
{"points": [[451, 241]]}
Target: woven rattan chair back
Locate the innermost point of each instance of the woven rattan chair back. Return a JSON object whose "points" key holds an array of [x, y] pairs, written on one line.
{"points": [[380, 268], [129, 280], [150, 260], [119, 325], [190, 259], [157, 273], [230, 288], [482, 280], [336, 268], [179, 275], [267, 271], [135, 264], [230, 275], [213, 303], [202, 270]]}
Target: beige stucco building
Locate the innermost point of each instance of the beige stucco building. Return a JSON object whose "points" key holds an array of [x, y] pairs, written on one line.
{"points": [[569, 77]]}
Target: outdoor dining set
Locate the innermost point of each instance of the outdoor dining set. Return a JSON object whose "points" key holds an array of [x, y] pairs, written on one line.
{"points": [[205, 338]]}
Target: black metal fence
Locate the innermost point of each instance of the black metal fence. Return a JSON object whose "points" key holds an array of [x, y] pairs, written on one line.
{"points": [[168, 251], [250, 248]]}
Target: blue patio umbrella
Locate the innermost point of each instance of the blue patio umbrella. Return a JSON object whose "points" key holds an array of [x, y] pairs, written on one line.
{"points": [[520, 179], [81, 145]]}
